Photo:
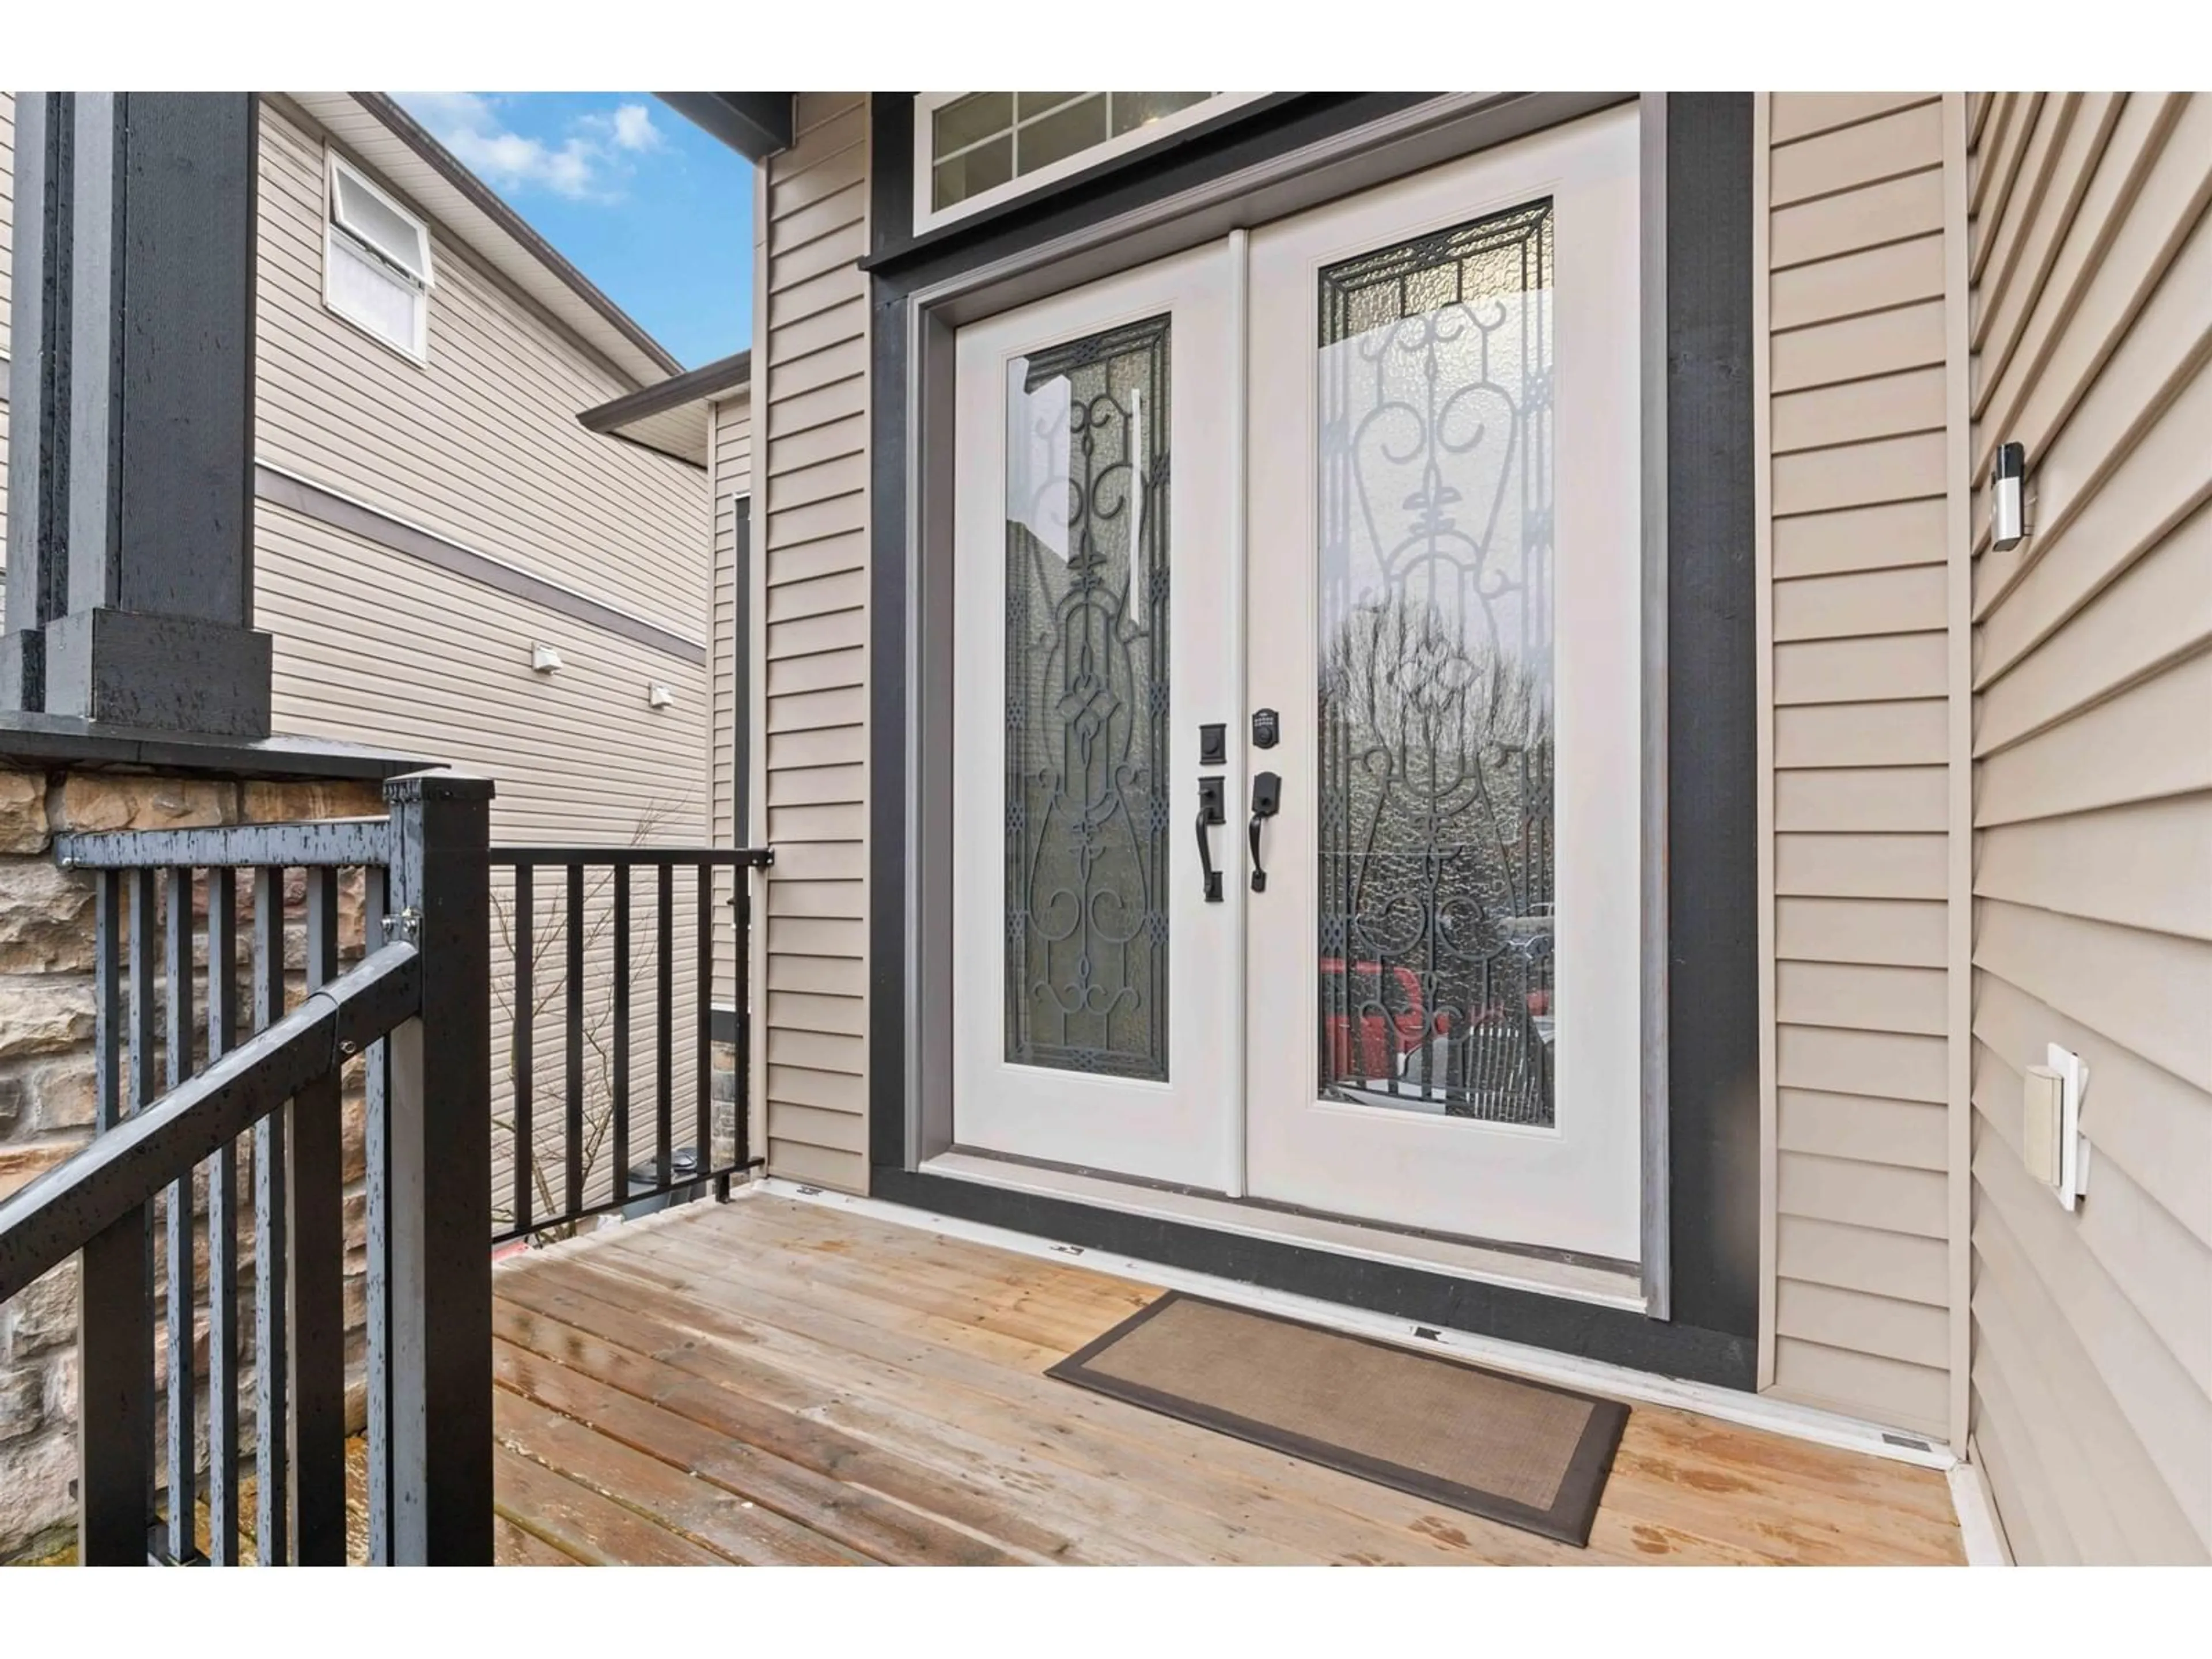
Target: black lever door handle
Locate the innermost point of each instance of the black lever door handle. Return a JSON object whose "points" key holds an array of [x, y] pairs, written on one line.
{"points": [[1213, 808], [1266, 801]]}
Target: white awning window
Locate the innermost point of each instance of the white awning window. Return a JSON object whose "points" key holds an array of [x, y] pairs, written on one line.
{"points": [[377, 270]]}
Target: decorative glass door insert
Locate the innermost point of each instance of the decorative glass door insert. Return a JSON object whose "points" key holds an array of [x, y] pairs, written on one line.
{"points": [[1434, 523], [1087, 522]]}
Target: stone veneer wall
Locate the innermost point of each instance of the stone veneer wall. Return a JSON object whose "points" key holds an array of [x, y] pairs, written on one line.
{"points": [[46, 1030]]}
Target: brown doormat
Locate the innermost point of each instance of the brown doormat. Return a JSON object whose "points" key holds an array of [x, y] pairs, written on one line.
{"points": [[1530, 1456]]}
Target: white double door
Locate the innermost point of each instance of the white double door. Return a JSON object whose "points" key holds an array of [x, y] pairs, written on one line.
{"points": [[1331, 534]]}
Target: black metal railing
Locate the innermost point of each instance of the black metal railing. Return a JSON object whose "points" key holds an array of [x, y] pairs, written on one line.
{"points": [[419, 986], [601, 1148]]}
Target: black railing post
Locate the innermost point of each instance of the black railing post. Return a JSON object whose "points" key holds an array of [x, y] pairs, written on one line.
{"points": [[434, 1306]]}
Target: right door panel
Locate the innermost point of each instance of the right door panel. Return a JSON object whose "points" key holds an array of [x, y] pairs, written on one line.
{"points": [[1445, 606]]}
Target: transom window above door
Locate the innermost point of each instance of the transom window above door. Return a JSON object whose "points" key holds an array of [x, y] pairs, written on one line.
{"points": [[974, 149]]}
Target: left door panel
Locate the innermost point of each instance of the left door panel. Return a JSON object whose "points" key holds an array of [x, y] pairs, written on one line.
{"points": [[1098, 1005]]}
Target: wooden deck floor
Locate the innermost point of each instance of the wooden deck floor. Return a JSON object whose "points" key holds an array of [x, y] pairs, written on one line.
{"points": [[775, 1382]]}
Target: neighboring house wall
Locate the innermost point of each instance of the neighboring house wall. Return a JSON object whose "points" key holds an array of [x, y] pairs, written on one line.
{"points": [[810, 523], [729, 481], [481, 448], [1858, 798], [2091, 265]]}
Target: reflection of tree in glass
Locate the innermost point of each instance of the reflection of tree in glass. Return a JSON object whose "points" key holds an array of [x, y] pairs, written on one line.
{"points": [[1437, 859]]}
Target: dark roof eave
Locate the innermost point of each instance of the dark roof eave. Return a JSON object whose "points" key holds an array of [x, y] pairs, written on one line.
{"points": [[755, 125], [692, 385]]}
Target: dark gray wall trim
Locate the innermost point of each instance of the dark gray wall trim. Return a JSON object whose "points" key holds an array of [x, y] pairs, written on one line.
{"points": [[741, 678], [1613, 1335], [312, 501], [1712, 826], [1713, 1188]]}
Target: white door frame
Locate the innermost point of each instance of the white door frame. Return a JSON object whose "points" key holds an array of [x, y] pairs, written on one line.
{"points": [[914, 1062]]}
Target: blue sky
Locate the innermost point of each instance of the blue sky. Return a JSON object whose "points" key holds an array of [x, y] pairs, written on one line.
{"points": [[648, 207]]}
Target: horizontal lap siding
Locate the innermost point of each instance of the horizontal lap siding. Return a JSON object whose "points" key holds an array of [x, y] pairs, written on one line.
{"points": [[730, 478], [372, 646], [1859, 720], [482, 445], [2093, 320], [810, 523]]}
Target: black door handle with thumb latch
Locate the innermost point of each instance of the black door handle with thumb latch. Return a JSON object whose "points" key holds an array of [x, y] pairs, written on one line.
{"points": [[1266, 801], [1213, 808]]}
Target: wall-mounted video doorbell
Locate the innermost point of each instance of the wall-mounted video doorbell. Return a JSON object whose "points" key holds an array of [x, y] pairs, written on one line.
{"points": [[2008, 497]]}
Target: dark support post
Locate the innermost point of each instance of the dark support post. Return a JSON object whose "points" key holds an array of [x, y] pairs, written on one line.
{"points": [[438, 1202], [38, 395], [137, 379]]}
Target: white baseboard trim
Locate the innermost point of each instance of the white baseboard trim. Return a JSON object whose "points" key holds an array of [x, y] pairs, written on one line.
{"points": [[1644, 1387], [1979, 1529]]}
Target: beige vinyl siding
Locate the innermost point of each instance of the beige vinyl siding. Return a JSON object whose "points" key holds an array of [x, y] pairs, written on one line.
{"points": [[375, 647], [810, 525], [1858, 723], [730, 477], [481, 444], [2092, 333]]}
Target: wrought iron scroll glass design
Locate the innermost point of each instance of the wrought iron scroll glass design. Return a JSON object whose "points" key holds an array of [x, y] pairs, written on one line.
{"points": [[1435, 522], [1086, 709]]}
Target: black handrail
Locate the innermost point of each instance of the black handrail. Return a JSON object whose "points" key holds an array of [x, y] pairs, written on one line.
{"points": [[421, 987], [46, 1222]]}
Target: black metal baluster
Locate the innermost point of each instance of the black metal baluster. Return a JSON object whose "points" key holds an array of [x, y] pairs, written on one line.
{"points": [[525, 1034], [184, 1442], [575, 1102], [741, 993], [621, 1079], [145, 1090], [222, 1234], [702, 1036], [376, 1150], [315, 1188], [272, 1415], [664, 1056], [115, 1305]]}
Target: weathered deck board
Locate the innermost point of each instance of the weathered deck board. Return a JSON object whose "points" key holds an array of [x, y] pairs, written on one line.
{"points": [[773, 1380]]}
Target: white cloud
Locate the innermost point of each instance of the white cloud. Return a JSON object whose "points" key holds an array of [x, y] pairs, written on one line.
{"points": [[590, 161], [634, 128]]}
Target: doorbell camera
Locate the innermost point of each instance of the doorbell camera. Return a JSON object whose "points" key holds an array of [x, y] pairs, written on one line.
{"points": [[2008, 509]]}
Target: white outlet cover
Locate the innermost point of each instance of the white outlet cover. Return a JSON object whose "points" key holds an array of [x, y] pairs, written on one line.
{"points": [[2072, 1148]]}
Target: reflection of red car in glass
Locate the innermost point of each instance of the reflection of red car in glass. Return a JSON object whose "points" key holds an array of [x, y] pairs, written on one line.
{"points": [[1369, 1031], [1385, 1032]]}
